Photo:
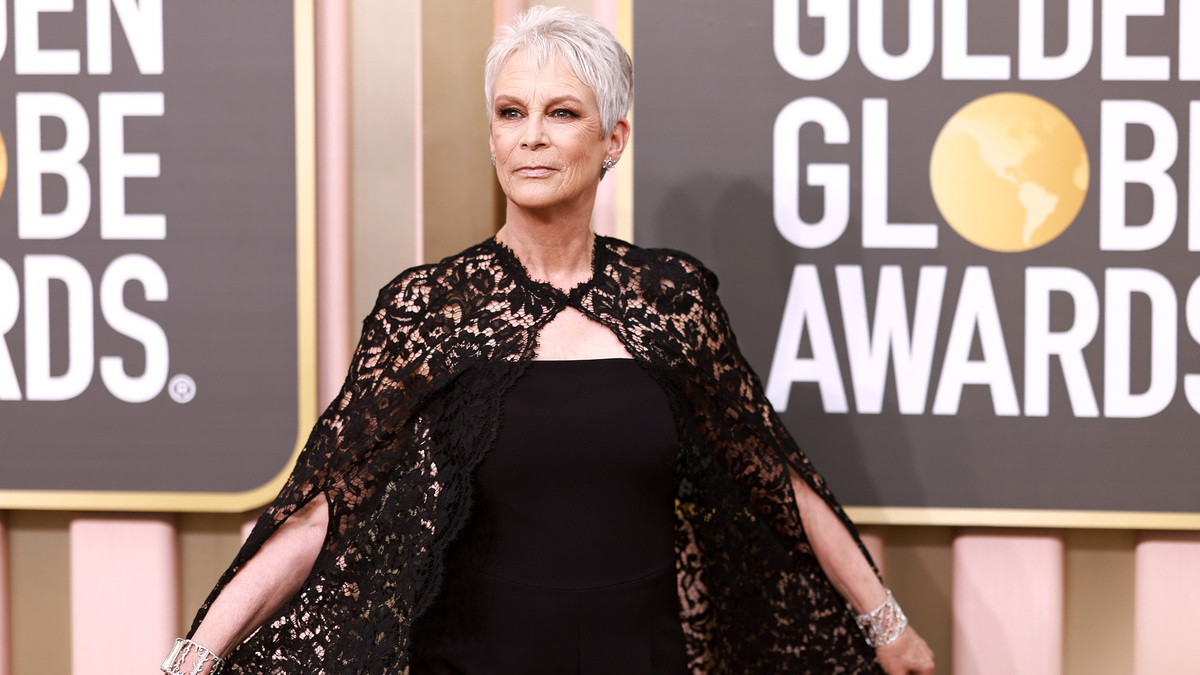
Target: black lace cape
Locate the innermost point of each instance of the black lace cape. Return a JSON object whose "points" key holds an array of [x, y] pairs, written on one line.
{"points": [[395, 451]]}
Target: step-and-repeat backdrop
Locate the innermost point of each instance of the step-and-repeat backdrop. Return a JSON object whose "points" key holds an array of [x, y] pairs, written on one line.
{"points": [[958, 240], [148, 250]]}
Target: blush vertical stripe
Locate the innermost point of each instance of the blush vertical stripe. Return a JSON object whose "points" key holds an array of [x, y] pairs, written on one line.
{"points": [[504, 10], [623, 10], [333, 195], [418, 159], [124, 593], [604, 215], [5, 634], [1007, 602], [1167, 595], [605, 11]]}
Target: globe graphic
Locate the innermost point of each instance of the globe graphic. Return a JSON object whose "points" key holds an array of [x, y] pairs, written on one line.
{"points": [[1009, 172]]}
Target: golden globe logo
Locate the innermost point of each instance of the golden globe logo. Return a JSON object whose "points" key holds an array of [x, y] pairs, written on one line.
{"points": [[1009, 172]]}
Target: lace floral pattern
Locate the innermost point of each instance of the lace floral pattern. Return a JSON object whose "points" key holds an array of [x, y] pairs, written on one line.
{"points": [[395, 451]]}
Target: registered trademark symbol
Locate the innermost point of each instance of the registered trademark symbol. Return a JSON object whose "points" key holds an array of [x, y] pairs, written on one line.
{"points": [[182, 388]]}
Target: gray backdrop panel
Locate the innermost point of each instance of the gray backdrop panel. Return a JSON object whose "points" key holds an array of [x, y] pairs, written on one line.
{"points": [[708, 91], [228, 189]]}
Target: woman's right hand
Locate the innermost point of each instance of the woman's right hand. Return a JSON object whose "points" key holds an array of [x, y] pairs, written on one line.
{"points": [[906, 655]]}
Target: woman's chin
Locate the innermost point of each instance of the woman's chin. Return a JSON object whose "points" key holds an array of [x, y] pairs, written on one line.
{"points": [[531, 200]]}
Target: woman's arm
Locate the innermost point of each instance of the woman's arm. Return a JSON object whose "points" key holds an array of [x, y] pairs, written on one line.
{"points": [[267, 581], [849, 571]]}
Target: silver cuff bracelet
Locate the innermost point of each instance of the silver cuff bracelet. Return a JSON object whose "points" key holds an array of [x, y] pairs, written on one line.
{"points": [[885, 624], [184, 651]]}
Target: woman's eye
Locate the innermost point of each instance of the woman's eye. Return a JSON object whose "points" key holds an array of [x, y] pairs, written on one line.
{"points": [[563, 113], [508, 113]]}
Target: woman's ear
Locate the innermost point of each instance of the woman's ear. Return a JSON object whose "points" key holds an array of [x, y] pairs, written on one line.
{"points": [[618, 139]]}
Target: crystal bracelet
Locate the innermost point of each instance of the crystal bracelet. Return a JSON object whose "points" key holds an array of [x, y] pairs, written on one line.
{"points": [[185, 649], [883, 625]]}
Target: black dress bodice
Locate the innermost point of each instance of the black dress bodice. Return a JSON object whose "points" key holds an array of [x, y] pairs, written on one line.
{"points": [[566, 564]]}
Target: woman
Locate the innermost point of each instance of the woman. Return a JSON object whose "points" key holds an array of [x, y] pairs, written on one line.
{"points": [[684, 532]]}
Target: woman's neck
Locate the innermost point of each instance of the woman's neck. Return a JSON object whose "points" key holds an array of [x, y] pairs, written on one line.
{"points": [[554, 251]]}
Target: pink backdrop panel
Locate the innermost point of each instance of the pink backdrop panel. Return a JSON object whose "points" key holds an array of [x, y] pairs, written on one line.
{"points": [[124, 594], [1007, 603], [5, 645], [1167, 595], [333, 195]]}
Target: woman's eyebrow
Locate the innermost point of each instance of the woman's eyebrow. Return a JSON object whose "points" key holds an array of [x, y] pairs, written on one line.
{"points": [[566, 98], [510, 98]]}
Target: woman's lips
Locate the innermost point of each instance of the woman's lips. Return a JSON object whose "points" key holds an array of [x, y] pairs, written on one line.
{"points": [[534, 171]]}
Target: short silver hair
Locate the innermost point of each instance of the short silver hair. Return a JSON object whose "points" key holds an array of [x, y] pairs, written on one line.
{"points": [[584, 45]]}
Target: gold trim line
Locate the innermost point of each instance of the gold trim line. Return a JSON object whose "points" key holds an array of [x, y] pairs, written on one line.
{"points": [[1039, 518]]}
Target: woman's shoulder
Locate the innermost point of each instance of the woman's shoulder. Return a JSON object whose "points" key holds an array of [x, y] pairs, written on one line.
{"points": [[664, 263], [420, 289], [441, 274]]}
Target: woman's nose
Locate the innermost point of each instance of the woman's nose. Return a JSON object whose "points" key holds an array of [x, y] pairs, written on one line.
{"points": [[535, 132]]}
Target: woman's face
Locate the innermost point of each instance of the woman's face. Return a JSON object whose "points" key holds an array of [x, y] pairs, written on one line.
{"points": [[547, 136]]}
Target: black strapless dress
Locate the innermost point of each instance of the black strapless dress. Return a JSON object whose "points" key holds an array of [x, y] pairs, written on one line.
{"points": [[567, 563]]}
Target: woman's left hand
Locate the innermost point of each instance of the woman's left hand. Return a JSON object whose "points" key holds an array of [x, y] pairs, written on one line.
{"points": [[907, 655]]}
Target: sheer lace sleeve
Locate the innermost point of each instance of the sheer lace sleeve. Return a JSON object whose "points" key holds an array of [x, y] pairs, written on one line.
{"points": [[754, 443], [387, 379], [744, 555], [356, 440]]}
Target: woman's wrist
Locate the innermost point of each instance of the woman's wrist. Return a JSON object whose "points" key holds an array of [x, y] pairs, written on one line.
{"points": [[190, 658], [885, 624]]}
